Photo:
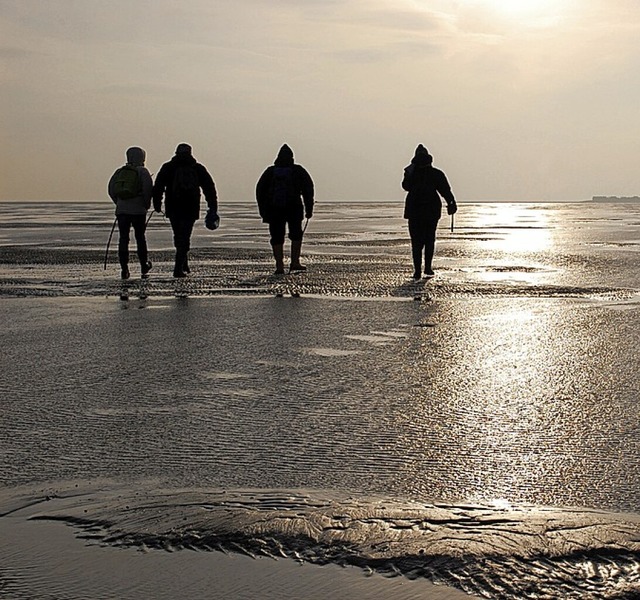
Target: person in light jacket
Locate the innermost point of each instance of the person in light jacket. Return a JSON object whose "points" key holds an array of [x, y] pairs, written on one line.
{"points": [[131, 208]]}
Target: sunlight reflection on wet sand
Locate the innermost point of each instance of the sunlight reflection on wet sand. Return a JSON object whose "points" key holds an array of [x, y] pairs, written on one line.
{"points": [[512, 379]]}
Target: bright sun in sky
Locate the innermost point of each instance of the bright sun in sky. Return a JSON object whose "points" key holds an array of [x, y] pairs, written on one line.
{"points": [[521, 8]]}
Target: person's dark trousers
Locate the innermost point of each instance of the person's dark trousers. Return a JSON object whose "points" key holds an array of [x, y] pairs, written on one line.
{"points": [[279, 225], [138, 222], [182, 229], [423, 236]]}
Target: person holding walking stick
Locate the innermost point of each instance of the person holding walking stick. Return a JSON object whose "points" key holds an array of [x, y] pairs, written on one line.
{"points": [[423, 207], [285, 193], [130, 189]]}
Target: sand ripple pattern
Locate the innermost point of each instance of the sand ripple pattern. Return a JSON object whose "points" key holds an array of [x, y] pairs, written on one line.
{"points": [[478, 399], [511, 553], [54, 272]]}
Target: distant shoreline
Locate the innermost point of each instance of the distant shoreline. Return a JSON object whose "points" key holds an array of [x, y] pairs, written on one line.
{"points": [[615, 199], [330, 201]]}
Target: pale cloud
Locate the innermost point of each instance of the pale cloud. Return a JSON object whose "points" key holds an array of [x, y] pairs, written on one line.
{"points": [[510, 108], [10, 53]]}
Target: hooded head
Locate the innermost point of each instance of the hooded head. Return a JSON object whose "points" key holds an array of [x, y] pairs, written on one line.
{"points": [[285, 156], [422, 156], [183, 149], [136, 156]]}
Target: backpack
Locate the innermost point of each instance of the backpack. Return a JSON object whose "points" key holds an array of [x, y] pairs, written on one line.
{"points": [[185, 182], [282, 186], [126, 183]]}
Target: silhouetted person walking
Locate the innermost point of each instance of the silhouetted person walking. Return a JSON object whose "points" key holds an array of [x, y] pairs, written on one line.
{"points": [[130, 189], [423, 207], [285, 194], [180, 181]]}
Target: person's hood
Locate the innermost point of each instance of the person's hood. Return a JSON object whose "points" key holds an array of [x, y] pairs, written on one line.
{"points": [[285, 157], [136, 156], [422, 158], [182, 158], [184, 149]]}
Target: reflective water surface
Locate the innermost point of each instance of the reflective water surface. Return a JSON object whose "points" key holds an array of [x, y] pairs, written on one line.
{"points": [[494, 406]]}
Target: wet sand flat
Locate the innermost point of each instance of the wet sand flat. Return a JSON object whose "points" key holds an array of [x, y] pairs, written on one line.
{"points": [[46, 560], [476, 429]]}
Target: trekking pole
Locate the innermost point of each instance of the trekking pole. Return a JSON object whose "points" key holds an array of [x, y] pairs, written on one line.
{"points": [[106, 252], [451, 223], [305, 226], [149, 219]]}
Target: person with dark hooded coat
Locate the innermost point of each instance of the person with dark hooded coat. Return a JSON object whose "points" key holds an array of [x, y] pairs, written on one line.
{"points": [[131, 211], [284, 194], [180, 181], [423, 207]]}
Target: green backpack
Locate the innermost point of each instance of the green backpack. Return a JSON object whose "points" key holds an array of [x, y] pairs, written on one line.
{"points": [[127, 184]]}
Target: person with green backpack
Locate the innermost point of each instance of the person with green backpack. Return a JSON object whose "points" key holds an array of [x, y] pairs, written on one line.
{"points": [[130, 188]]}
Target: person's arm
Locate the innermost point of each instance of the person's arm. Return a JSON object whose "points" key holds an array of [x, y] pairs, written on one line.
{"points": [[262, 193], [444, 189], [308, 192], [159, 189], [208, 188], [110, 188], [407, 180], [147, 186]]}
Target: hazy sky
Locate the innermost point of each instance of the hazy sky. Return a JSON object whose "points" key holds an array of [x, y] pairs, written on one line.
{"points": [[516, 99]]}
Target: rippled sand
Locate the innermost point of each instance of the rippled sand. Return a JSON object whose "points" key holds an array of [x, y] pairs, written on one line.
{"points": [[46, 560], [505, 385]]}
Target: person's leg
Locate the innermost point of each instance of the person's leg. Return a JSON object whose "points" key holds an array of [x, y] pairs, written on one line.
{"points": [[181, 240], [430, 245], [124, 225], [139, 223], [417, 244], [276, 232], [187, 231], [295, 235]]}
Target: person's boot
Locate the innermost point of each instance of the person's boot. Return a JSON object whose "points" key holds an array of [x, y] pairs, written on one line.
{"points": [[178, 269], [428, 258], [123, 259], [124, 268], [417, 264], [428, 269], [296, 247], [278, 254], [145, 267]]}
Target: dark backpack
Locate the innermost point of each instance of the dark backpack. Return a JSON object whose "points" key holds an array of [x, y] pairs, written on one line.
{"points": [[127, 184], [282, 186], [185, 182]]}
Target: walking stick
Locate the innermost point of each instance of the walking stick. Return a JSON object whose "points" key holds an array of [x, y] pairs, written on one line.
{"points": [[106, 252], [451, 223], [305, 226]]}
